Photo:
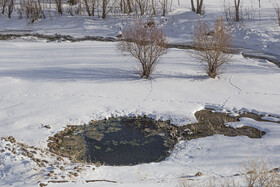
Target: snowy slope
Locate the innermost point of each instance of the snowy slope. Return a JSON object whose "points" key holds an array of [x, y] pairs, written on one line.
{"points": [[72, 83], [258, 31]]}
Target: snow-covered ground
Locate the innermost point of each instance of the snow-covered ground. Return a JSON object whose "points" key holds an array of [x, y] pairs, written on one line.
{"points": [[72, 83], [258, 31]]}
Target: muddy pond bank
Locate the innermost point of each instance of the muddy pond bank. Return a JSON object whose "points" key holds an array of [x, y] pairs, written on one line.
{"points": [[136, 140]]}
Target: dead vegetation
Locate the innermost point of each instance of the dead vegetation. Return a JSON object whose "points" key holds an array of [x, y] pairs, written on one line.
{"points": [[146, 43], [258, 173], [212, 46], [277, 12]]}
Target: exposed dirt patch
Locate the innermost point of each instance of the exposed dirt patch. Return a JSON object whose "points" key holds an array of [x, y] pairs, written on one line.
{"points": [[211, 122], [56, 37]]}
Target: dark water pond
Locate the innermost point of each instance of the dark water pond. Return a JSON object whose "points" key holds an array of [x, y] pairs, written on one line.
{"points": [[135, 140], [118, 141], [125, 141]]}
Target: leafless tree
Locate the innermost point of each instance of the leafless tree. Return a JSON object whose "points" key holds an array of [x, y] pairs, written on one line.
{"points": [[237, 10], [107, 6], [164, 6], [145, 43], [11, 6], [229, 13], [141, 5], [199, 6], [277, 11], [32, 9], [154, 4], [212, 45], [58, 4], [90, 7], [193, 8], [4, 4], [129, 5]]}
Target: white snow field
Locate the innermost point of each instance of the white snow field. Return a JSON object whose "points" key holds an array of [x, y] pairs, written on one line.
{"points": [[57, 84], [258, 31], [72, 83]]}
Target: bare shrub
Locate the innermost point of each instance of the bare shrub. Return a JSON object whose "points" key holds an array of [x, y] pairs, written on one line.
{"points": [[229, 182], [211, 44], [145, 43], [107, 6], [32, 9], [228, 11], [78, 8], [141, 6], [249, 12], [277, 11], [257, 173], [69, 10]]}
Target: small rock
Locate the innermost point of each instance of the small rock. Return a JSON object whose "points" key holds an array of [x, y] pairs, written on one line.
{"points": [[50, 173], [45, 161], [42, 184], [76, 174], [41, 165], [60, 159], [46, 126], [119, 35], [34, 152], [3, 138], [11, 139], [198, 174]]}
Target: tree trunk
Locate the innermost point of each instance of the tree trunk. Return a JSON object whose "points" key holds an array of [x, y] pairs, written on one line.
{"points": [[93, 8], [4, 6], [129, 6], [87, 7], [199, 6], [193, 9], [237, 5], [10, 8], [154, 8], [104, 6]]}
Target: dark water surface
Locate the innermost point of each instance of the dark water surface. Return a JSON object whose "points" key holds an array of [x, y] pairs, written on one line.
{"points": [[126, 141]]}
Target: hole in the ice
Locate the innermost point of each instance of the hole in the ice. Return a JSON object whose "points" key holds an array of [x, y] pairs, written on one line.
{"points": [[118, 141]]}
